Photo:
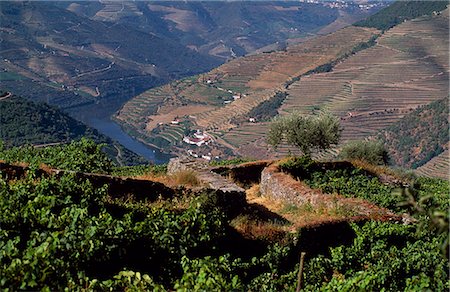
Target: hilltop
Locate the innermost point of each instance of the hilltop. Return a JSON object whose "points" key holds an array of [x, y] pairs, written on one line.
{"points": [[23, 122]]}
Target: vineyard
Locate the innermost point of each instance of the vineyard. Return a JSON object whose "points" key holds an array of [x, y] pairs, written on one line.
{"points": [[64, 231], [438, 166], [406, 68], [213, 100]]}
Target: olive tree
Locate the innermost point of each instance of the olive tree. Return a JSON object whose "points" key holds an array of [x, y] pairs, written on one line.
{"points": [[308, 133]]}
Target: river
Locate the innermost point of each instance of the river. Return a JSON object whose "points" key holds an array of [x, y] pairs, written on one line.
{"points": [[109, 128]]}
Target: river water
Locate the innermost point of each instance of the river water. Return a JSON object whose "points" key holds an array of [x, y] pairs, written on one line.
{"points": [[109, 128]]}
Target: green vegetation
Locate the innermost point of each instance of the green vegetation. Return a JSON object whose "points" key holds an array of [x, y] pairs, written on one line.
{"points": [[5, 76], [269, 108], [419, 136], [343, 179], [371, 151], [83, 155], [62, 233], [400, 11], [308, 133], [233, 161], [24, 122]]}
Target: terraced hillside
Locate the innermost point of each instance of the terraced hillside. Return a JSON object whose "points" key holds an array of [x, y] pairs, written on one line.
{"points": [[407, 68], [438, 166], [370, 90], [215, 100]]}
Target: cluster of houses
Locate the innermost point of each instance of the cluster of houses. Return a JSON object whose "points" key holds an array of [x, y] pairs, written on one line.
{"points": [[199, 139], [346, 4], [206, 157]]}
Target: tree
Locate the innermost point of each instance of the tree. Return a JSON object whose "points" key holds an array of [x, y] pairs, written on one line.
{"points": [[308, 133]]}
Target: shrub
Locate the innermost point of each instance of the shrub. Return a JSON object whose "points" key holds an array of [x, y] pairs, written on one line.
{"points": [[373, 152]]}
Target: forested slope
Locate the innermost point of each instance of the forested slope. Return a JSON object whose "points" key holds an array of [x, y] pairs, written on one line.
{"points": [[25, 122], [419, 136], [400, 11]]}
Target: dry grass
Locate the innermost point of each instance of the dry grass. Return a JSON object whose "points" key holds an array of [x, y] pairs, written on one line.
{"points": [[257, 229], [253, 192], [186, 178]]}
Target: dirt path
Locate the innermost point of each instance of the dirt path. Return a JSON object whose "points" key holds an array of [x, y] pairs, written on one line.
{"points": [[119, 155]]}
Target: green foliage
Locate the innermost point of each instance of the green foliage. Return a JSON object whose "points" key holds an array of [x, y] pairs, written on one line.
{"points": [[83, 155], [399, 11], [25, 122], [208, 274], [372, 152], [308, 133], [138, 170], [419, 136], [64, 234], [60, 233], [233, 161], [269, 108], [383, 256]]}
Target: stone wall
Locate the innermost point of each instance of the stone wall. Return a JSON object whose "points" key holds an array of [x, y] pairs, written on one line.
{"points": [[280, 186], [245, 174]]}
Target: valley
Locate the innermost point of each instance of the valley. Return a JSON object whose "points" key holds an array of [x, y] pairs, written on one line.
{"points": [[224, 145], [228, 93], [369, 80]]}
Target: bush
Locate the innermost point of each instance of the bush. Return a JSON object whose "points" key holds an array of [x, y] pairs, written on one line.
{"points": [[372, 152]]}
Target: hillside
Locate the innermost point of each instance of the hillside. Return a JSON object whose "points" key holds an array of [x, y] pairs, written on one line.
{"points": [[353, 74], [218, 100], [80, 228], [438, 166], [371, 90], [25, 122], [400, 11], [45, 46], [224, 29], [418, 136]]}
